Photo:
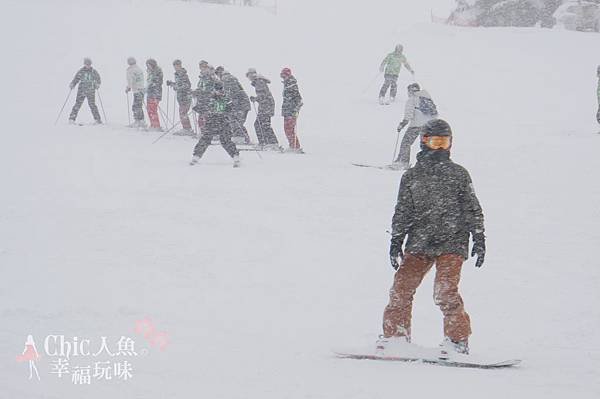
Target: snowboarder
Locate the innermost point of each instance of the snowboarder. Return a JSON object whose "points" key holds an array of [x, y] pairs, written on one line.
{"points": [[292, 102], [218, 108], [182, 87], [135, 84], [419, 110], [154, 93], [241, 104], [391, 66], [204, 92], [266, 110], [437, 210], [89, 81]]}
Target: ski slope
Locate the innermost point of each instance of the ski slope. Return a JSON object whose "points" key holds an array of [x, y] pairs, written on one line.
{"points": [[256, 274]]}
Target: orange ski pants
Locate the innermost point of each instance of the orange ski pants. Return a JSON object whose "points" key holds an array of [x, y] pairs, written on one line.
{"points": [[410, 274]]}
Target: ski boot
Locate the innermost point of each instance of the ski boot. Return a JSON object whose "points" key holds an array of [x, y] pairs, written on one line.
{"points": [[387, 345], [194, 160]]}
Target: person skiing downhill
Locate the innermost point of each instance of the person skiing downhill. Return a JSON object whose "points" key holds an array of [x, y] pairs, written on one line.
{"points": [[241, 104], [154, 92], [89, 81], [419, 110], [135, 83], [391, 66], [217, 114], [436, 211], [266, 110], [292, 102], [182, 87]]}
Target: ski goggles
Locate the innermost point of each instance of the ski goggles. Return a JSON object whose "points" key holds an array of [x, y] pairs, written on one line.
{"points": [[437, 142]]}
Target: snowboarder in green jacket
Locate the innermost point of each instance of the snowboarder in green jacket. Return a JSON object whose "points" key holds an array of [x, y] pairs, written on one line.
{"points": [[391, 66]]}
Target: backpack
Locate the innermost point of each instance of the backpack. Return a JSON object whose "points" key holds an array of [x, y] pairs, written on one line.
{"points": [[427, 106]]}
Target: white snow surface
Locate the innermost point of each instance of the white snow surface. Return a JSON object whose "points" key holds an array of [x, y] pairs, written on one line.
{"points": [[257, 273]]}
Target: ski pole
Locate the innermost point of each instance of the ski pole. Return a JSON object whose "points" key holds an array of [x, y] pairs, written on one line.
{"points": [[168, 131], [102, 106], [63, 107], [396, 146], [240, 126], [128, 115], [371, 82], [262, 133], [168, 95]]}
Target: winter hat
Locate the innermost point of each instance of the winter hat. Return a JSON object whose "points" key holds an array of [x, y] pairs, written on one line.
{"points": [[203, 64], [87, 61], [219, 71], [399, 48], [436, 128], [131, 61], [413, 87], [151, 62], [177, 62], [251, 71], [286, 72]]}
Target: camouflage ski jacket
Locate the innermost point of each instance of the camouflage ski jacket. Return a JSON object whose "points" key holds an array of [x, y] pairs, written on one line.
{"points": [[88, 79], [437, 207]]}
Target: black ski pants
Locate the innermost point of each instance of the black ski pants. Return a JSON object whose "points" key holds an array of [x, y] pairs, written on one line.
{"points": [[81, 96], [138, 106], [264, 131], [390, 80], [224, 137], [237, 125]]}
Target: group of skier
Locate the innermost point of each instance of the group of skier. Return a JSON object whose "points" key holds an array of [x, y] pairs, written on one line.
{"points": [[436, 213], [219, 101]]}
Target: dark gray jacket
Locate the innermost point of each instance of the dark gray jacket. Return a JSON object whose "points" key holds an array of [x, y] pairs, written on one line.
{"points": [[292, 100], [235, 92], [183, 86], [88, 79], [155, 83], [266, 103], [437, 207]]}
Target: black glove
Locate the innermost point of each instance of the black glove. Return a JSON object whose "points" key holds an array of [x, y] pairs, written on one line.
{"points": [[478, 248], [253, 99], [169, 83], [402, 125], [396, 250]]}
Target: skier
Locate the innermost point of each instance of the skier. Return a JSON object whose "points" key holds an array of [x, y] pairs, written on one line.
{"points": [[266, 110], [135, 83], [154, 91], [218, 108], [89, 81], [292, 102], [391, 66], [419, 110], [436, 211], [241, 104], [204, 92], [182, 87]]}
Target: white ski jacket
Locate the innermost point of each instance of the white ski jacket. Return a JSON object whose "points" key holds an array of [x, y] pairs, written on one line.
{"points": [[135, 79], [413, 114]]}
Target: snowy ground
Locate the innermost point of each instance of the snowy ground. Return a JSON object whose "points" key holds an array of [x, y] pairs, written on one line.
{"points": [[256, 274]]}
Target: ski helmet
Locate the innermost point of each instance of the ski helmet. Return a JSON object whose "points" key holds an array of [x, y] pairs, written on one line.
{"points": [[413, 88], [437, 127], [251, 72], [131, 61], [87, 61], [151, 62], [285, 73]]}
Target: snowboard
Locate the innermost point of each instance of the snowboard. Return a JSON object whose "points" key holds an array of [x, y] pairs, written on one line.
{"points": [[434, 356]]}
